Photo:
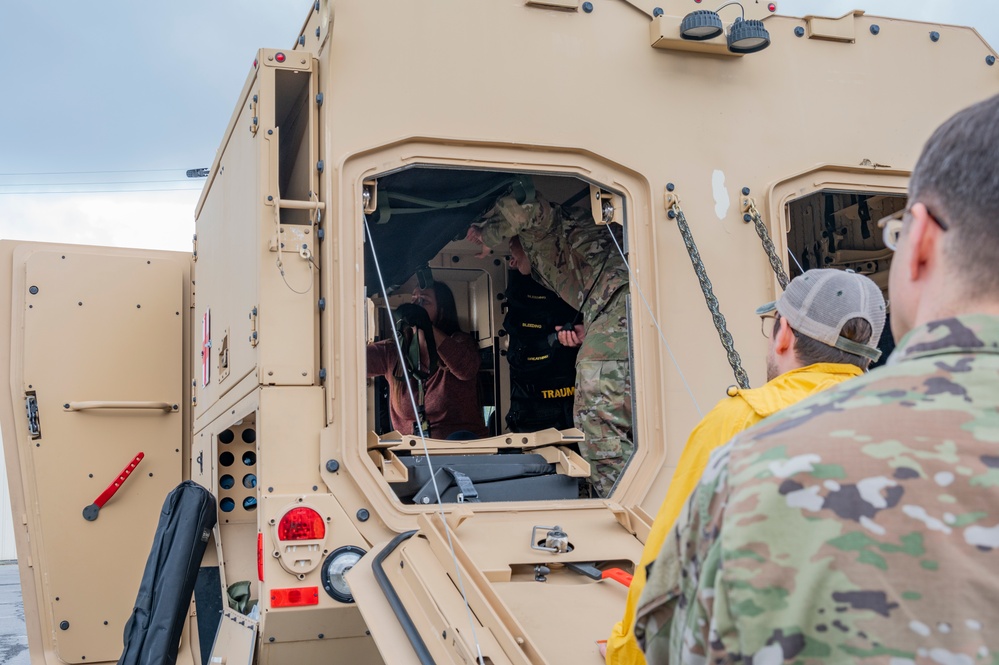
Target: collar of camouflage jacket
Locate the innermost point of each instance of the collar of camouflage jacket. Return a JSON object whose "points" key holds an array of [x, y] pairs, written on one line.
{"points": [[968, 334]]}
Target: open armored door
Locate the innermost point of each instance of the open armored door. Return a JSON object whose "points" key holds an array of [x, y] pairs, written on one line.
{"points": [[97, 376]]}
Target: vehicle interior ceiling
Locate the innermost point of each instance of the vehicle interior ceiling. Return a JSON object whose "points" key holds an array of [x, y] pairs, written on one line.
{"points": [[417, 231], [839, 229]]}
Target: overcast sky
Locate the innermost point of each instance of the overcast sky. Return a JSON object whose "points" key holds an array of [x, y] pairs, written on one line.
{"points": [[141, 91]]}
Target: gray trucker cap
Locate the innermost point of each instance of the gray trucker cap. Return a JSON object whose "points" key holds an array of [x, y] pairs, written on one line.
{"points": [[819, 302]]}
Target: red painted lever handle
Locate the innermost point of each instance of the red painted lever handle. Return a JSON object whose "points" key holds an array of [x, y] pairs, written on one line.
{"points": [[119, 481], [618, 575]]}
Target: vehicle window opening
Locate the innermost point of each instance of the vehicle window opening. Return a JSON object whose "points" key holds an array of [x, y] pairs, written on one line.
{"points": [[526, 379], [293, 117], [839, 229]]}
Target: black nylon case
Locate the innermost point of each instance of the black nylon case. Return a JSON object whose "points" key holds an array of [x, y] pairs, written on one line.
{"points": [[152, 633]]}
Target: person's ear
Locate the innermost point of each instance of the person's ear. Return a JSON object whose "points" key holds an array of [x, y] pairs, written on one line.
{"points": [[784, 338], [922, 242]]}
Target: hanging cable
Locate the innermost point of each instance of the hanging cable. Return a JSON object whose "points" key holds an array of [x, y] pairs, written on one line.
{"points": [[659, 329], [426, 450], [76, 184], [103, 191], [89, 172]]}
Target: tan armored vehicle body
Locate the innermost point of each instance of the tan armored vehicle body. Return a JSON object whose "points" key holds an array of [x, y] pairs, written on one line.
{"points": [[381, 134]]}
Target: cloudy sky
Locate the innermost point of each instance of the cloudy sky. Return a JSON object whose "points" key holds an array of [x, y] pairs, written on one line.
{"points": [[113, 95]]}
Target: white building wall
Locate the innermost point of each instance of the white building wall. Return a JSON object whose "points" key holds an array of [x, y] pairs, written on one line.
{"points": [[7, 550]]}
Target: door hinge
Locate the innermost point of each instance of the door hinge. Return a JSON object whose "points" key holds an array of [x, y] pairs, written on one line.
{"points": [[253, 327]]}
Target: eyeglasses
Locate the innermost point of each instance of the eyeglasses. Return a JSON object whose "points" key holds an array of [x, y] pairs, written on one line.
{"points": [[891, 226], [767, 323]]}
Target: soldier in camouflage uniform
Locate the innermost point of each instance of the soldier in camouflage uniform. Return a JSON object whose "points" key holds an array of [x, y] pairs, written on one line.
{"points": [[863, 523], [577, 259]]}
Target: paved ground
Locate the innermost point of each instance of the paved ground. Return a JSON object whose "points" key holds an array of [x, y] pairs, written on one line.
{"points": [[13, 640]]}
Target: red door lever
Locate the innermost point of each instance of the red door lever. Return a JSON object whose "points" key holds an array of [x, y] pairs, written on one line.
{"points": [[91, 512]]}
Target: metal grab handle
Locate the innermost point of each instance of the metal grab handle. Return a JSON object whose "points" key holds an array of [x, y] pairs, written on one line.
{"points": [[86, 406], [292, 204]]}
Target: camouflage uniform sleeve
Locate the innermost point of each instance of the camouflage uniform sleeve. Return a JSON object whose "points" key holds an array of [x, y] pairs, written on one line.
{"points": [[675, 618], [507, 218]]}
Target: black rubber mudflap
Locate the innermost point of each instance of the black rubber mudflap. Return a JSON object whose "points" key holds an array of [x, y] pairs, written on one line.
{"points": [[208, 599]]}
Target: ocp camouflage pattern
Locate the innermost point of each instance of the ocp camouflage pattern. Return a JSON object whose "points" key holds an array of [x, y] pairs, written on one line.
{"points": [[578, 260], [861, 525]]}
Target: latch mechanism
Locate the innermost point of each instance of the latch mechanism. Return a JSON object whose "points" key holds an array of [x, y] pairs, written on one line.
{"points": [[556, 540], [31, 409]]}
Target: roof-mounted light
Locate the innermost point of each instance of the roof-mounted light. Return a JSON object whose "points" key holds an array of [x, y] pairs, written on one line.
{"points": [[701, 24], [747, 36], [743, 36]]}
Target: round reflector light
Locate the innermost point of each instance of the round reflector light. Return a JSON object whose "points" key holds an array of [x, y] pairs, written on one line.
{"points": [[301, 524], [279, 57], [337, 564], [772, 7]]}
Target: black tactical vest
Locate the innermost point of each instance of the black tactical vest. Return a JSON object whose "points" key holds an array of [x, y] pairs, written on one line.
{"points": [[542, 371]]}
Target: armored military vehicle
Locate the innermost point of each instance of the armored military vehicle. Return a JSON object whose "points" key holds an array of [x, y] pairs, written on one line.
{"points": [[726, 148]]}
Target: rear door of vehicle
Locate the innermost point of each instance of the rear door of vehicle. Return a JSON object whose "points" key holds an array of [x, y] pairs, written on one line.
{"points": [[93, 342]]}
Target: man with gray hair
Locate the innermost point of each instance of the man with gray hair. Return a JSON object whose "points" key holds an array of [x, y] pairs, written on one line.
{"points": [[862, 524]]}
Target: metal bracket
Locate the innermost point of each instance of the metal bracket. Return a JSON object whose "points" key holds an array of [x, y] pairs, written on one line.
{"points": [[255, 121], [556, 540], [670, 199], [606, 206], [253, 327], [369, 196]]}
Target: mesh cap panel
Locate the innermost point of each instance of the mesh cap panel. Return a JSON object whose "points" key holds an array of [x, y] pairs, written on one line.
{"points": [[819, 303]]}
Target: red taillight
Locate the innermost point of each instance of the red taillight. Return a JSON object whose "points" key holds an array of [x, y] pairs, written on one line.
{"points": [[260, 557], [279, 57], [308, 595], [254, 63], [301, 524], [772, 7]]}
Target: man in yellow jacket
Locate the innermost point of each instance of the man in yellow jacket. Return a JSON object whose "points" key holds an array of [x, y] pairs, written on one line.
{"points": [[798, 365]]}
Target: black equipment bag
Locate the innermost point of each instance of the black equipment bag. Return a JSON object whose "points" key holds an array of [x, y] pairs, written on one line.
{"points": [[152, 633], [542, 371]]}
